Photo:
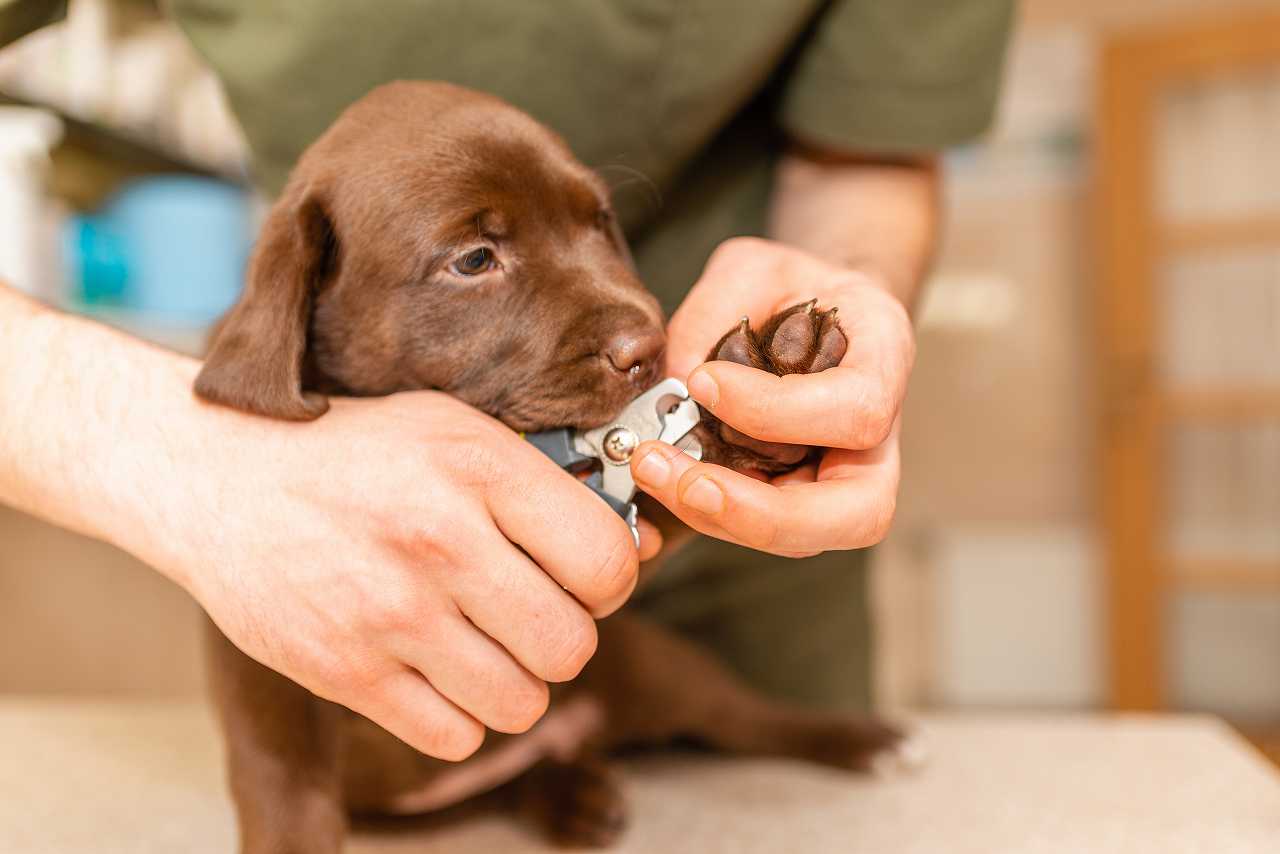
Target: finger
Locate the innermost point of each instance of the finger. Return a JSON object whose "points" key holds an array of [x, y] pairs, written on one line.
{"points": [[656, 467], [837, 512], [841, 407], [518, 605], [650, 539], [744, 276], [566, 529], [475, 673], [698, 324], [805, 474], [405, 704]]}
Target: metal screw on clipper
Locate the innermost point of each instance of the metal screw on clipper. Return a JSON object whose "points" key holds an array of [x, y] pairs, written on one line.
{"points": [[619, 444]]}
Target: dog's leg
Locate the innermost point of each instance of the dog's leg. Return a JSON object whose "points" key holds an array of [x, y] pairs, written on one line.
{"points": [[760, 727], [282, 756], [578, 803], [658, 686]]}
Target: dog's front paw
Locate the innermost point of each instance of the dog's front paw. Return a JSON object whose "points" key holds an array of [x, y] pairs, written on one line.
{"points": [[799, 340]]}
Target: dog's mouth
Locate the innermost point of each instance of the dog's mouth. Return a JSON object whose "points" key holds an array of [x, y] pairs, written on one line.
{"points": [[580, 387], [533, 415], [525, 410], [525, 422]]}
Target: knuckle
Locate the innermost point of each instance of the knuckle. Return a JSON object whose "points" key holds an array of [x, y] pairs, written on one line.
{"points": [[884, 520], [525, 704], [616, 572], [571, 652], [737, 251], [870, 425], [402, 616], [465, 450], [880, 523], [762, 535], [456, 741], [339, 676], [389, 622], [878, 428], [476, 463], [416, 538]]}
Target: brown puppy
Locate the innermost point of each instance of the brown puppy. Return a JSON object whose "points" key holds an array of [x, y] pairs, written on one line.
{"points": [[438, 238]]}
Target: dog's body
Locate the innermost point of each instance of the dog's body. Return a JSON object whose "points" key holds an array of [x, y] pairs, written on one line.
{"points": [[438, 238]]}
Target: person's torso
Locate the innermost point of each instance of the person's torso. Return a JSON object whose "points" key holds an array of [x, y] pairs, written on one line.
{"points": [[639, 88]]}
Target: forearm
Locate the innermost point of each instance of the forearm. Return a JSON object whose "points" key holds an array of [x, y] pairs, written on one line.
{"points": [[879, 216], [89, 419]]}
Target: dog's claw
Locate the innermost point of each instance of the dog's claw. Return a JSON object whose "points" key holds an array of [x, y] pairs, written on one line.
{"points": [[739, 345]]}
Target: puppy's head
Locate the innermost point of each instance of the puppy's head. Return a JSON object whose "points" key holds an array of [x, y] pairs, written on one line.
{"points": [[435, 237]]}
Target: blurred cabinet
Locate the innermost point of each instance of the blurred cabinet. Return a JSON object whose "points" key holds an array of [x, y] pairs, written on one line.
{"points": [[1189, 366]]}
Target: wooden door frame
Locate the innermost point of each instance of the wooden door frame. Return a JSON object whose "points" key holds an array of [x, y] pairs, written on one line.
{"points": [[1135, 69]]}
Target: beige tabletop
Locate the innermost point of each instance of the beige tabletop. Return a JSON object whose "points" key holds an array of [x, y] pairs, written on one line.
{"points": [[129, 777]]}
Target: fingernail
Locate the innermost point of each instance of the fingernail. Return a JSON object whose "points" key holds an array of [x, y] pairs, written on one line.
{"points": [[704, 495], [653, 469], [704, 390]]}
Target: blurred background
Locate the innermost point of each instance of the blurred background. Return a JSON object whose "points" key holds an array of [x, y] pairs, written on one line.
{"points": [[1090, 515]]}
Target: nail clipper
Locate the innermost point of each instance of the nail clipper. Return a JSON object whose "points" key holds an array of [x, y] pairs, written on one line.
{"points": [[664, 412]]}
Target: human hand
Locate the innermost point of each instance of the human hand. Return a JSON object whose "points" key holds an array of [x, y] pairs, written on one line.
{"points": [[845, 501], [407, 557]]}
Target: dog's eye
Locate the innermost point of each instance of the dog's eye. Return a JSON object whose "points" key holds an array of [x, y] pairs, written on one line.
{"points": [[475, 262]]}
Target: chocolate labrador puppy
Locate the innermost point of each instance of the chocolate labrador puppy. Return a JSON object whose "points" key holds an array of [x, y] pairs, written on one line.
{"points": [[438, 238]]}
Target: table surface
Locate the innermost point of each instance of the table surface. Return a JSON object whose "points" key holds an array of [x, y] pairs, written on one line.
{"points": [[146, 777]]}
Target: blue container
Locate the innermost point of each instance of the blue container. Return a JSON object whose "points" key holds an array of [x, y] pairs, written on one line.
{"points": [[171, 247]]}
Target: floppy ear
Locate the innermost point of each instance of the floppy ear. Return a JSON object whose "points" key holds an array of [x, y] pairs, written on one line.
{"points": [[255, 360]]}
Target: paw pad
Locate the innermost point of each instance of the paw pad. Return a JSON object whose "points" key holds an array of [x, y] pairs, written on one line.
{"points": [[799, 340], [802, 339]]}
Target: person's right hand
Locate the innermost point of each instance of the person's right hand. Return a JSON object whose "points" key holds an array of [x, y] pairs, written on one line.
{"points": [[407, 557]]}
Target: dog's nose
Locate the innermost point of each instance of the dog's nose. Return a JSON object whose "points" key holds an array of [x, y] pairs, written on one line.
{"points": [[636, 351]]}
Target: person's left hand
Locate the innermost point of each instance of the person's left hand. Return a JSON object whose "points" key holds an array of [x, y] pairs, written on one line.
{"points": [[845, 501]]}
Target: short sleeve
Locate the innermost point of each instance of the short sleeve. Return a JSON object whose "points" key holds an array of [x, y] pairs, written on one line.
{"points": [[900, 76], [19, 17]]}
